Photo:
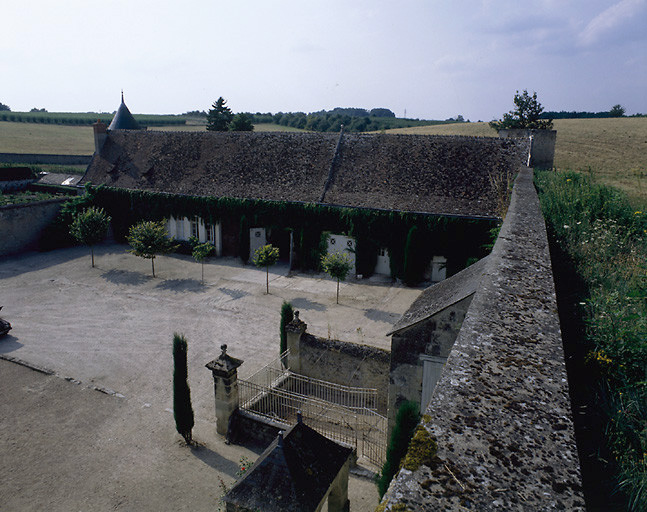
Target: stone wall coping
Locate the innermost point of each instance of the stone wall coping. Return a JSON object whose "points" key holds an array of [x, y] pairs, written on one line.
{"points": [[501, 413]]}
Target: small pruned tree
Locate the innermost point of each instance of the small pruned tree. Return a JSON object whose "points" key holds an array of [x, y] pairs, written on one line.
{"points": [[182, 410], [617, 111], [287, 315], [266, 256], [148, 239], [200, 253], [219, 116], [337, 265], [405, 424], [90, 227], [526, 114]]}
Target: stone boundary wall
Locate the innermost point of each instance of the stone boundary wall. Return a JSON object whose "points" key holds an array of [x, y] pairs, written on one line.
{"points": [[346, 363], [32, 158], [21, 225], [498, 433]]}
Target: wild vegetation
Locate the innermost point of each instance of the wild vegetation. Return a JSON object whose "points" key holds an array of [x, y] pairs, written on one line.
{"points": [[597, 235]]}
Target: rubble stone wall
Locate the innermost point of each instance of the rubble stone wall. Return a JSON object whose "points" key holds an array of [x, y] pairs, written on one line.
{"points": [[346, 363], [21, 225]]}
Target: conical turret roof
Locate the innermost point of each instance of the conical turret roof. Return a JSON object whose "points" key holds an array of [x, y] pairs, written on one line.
{"points": [[123, 119]]}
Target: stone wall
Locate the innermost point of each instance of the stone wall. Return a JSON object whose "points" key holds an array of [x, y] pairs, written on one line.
{"points": [[498, 433], [21, 225], [542, 147], [349, 364], [433, 337], [25, 158]]}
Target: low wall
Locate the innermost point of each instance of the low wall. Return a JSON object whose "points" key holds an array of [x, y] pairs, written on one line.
{"points": [[29, 158], [349, 364], [21, 225], [498, 433]]}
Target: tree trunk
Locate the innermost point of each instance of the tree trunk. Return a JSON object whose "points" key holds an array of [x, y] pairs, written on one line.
{"points": [[203, 272], [92, 253], [153, 264], [267, 280], [337, 290]]}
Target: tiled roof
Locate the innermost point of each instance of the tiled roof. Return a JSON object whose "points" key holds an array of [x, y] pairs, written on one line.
{"points": [[430, 174], [292, 475], [123, 119], [442, 295]]}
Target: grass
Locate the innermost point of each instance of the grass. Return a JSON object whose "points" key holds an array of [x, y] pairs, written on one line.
{"points": [[26, 197], [613, 151], [45, 139], [604, 241]]}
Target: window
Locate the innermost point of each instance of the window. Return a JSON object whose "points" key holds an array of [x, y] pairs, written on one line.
{"points": [[194, 228], [209, 232], [179, 228]]}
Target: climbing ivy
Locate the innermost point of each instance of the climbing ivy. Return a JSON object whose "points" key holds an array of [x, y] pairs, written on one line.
{"points": [[456, 237]]}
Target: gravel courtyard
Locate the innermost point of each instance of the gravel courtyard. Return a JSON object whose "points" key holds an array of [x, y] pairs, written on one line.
{"points": [[66, 446]]}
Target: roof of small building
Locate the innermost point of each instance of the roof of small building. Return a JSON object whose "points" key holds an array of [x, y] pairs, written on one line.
{"points": [[123, 119], [420, 173], [442, 295], [293, 474], [17, 174]]}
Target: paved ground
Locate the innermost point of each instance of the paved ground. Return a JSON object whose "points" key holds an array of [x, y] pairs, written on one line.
{"points": [[111, 327]]}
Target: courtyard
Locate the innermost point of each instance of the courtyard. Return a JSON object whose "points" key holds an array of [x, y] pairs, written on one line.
{"points": [[68, 446]]}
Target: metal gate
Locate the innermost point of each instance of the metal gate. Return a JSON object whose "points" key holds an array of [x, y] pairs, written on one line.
{"points": [[342, 413]]}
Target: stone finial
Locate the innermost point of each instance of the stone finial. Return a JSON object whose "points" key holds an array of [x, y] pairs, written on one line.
{"points": [[296, 325], [280, 439], [223, 347]]}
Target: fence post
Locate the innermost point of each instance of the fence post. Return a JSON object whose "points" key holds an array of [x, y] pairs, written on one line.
{"points": [[294, 330], [225, 385]]}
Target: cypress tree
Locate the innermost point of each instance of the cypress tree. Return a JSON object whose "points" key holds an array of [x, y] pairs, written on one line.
{"points": [[287, 315], [405, 424], [412, 258], [243, 239], [182, 410]]}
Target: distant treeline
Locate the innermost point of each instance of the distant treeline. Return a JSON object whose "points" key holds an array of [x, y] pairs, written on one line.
{"points": [[562, 114], [353, 119], [86, 118]]}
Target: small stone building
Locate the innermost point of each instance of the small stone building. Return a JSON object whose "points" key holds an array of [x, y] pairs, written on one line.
{"points": [[424, 336], [298, 472]]}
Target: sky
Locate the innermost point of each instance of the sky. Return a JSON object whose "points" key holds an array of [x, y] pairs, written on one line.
{"points": [[433, 59]]}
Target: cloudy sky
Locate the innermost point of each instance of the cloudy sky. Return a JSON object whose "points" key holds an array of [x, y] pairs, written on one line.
{"points": [[435, 59]]}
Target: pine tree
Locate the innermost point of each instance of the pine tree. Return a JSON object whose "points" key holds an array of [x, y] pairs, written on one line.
{"points": [[219, 116], [182, 410]]}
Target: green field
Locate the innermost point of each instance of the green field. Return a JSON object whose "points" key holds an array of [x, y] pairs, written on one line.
{"points": [[613, 150]]}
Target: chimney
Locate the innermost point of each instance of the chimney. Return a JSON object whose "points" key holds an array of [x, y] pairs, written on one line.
{"points": [[100, 135]]}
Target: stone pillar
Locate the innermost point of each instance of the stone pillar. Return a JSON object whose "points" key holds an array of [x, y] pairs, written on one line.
{"points": [[294, 330], [100, 135], [225, 385]]}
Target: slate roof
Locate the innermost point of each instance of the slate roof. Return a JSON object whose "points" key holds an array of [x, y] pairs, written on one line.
{"points": [[17, 174], [442, 295], [123, 119], [421, 173], [292, 475]]}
